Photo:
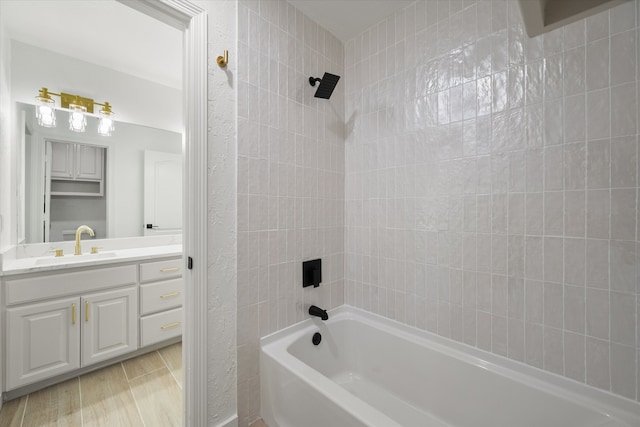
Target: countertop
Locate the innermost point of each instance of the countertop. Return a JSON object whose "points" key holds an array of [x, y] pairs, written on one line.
{"points": [[69, 261]]}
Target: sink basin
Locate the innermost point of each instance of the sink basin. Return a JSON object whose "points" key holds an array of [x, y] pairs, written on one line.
{"points": [[71, 259]]}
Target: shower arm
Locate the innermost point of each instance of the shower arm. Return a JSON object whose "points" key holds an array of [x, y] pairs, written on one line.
{"points": [[313, 80]]}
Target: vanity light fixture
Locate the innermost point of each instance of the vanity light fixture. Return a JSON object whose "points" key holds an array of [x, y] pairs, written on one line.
{"points": [[78, 107], [45, 112], [77, 120], [105, 125]]}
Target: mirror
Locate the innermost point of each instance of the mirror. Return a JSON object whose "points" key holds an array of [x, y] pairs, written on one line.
{"points": [[143, 87], [124, 185]]}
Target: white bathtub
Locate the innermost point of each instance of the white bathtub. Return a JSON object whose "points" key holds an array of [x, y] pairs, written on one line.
{"points": [[371, 371]]}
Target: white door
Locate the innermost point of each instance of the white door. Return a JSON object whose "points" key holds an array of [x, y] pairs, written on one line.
{"points": [[162, 193], [109, 324], [43, 340]]}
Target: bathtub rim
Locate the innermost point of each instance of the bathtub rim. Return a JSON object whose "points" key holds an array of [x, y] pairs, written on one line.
{"points": [[276, 345]]}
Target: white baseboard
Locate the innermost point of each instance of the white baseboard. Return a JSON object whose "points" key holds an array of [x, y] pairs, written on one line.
{"points": [[231, 422]]}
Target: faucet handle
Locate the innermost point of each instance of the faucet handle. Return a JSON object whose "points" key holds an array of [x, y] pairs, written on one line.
{"points": [[58, 252], [94, 249]]}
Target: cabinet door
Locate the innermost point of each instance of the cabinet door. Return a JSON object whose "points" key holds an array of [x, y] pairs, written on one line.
{"points": [[62, 160], [109, 324], [43, 340], [89, 161]]}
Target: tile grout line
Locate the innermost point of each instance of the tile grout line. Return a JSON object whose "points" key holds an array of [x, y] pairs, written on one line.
{"points": [[146, 373], [163, 360], [125, 372], [81, 404], [170, 370], [135, 401], [24, 411]]}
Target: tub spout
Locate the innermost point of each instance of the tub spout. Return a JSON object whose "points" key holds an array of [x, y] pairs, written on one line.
{"points": [[318, 312]]}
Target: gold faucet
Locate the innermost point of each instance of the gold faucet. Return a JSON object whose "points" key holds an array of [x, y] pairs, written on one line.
{"points": [[78, 233]]}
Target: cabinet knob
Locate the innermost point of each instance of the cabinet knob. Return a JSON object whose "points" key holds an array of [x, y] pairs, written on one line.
{"points": [[73, 314], [86, 311]]}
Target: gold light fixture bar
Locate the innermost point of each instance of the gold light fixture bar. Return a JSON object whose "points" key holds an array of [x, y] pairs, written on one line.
{"points": [[77, 106], [68, 99]]}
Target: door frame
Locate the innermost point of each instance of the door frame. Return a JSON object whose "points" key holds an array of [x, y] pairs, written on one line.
{"points": [[192, 21]]}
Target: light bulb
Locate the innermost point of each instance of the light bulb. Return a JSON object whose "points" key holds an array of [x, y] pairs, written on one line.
{"points": [[77, 119], [46, 116], [45, 109], [105, 126]]}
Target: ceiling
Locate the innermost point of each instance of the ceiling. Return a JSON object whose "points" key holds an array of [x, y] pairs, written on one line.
{"points": [[102, 32], [345, 19], [110, 34]]}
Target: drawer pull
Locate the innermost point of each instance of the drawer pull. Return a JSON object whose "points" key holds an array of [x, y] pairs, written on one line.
{"points": [[171, 325], [166, 270], [86, 311], [172, 294], [73, 314]]}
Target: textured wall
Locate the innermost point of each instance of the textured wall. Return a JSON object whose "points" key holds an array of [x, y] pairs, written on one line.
{"points": [[222, 214], [492, 184], [290, 178]]}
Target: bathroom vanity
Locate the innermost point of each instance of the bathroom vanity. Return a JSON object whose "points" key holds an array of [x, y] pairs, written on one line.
{"points": [[64, 316]]}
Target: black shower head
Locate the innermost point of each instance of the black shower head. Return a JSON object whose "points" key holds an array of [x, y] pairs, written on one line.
{"points": [[328, 83]]}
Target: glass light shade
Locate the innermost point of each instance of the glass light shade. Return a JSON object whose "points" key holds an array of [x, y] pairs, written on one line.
{"points": [[105, 126], [45, 112], [77, 119]]}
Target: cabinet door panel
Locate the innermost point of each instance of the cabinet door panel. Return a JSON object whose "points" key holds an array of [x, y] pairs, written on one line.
{"points": [[43, 340], [89, 162], [109, 326], [62, 160]]}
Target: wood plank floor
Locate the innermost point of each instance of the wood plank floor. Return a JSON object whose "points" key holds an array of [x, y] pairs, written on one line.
{"points": [[144, 391]]}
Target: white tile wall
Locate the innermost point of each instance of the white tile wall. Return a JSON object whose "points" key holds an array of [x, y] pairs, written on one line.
{"points": [[290, 178], [492, 184]]}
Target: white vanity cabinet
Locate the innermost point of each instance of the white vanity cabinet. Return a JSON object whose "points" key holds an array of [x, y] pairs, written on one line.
{"points": [[161, 300], [43, 340], [109, 324], [64, 320], [53, 337]]}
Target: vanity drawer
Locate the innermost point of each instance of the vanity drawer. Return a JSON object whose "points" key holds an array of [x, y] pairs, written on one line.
{"points": [[161, 326], [161, 296], [161, 270], [54, 285]]}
